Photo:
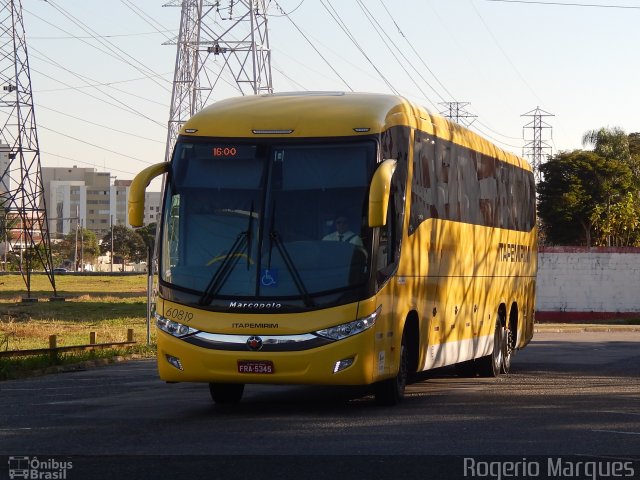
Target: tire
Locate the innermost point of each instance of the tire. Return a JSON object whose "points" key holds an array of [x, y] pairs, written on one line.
{"points": [[391, 392], [491, 365], [226, 392], [507, 351]]}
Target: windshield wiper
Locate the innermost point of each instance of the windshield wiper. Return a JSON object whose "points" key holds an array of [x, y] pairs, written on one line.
{"points": [[274, 237], [242, 241]]}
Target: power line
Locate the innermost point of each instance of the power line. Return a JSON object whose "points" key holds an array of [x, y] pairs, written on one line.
{"points": [[84, 120], [418, 56], [495, 40], [82, 162], [122, 105], [149, 20], [496, 132], [117, 51], [97, 146], [314, 47], [120, 35], [380, 28], [371, 20], [95, 86], [309, 38], [285, 14], [102, 84], [496, 140], [595, 5], [345, 29]]}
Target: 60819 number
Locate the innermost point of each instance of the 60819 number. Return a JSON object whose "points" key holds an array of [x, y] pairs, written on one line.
{"points": [[178, 314]]}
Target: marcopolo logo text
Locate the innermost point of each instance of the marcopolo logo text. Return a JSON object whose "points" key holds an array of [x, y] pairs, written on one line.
{"points": [[255, 305]]}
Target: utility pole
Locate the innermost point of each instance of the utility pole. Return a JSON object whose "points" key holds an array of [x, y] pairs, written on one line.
{"points": [[219, 41], [456, 112], [21, 187], [82, 245], [537, 149], [112, 249], [75, 250]]}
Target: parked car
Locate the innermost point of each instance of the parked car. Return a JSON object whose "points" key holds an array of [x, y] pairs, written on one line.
{"points": [[60, 270]]}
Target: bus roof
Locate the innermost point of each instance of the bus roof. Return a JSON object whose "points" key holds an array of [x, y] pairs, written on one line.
{"points": [[329, 114]]}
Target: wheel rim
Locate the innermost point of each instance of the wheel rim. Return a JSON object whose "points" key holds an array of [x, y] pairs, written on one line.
{"points": [[508, 351], [498, 347]]}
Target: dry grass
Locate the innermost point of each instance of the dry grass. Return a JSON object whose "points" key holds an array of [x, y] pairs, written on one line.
{"points": [[106, 305]]}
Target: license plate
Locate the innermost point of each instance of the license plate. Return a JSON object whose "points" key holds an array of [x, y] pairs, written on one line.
{"points": [[255, 366]]}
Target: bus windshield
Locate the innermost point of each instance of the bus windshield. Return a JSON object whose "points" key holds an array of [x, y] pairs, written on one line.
{"points": [[267, 220]]}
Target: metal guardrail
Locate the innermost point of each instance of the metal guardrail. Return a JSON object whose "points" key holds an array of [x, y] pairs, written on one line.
{"points": [[54, 350]]}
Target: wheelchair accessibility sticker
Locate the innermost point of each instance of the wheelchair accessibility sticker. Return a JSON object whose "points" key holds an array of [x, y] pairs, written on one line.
{"points": [[269, 277]]}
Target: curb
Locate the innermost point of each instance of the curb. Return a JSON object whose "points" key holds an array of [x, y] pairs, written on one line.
{"points": [[78, 367], [580, 328]]}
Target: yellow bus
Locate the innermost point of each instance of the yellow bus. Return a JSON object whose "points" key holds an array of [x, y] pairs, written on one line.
{"points": [[338, 239]]}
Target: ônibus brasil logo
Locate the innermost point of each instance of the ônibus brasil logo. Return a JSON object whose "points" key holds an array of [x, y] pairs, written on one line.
{"points": [[40, 469]]}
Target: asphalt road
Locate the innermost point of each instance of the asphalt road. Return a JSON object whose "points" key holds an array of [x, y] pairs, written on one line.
{"points": [[575, 394]]}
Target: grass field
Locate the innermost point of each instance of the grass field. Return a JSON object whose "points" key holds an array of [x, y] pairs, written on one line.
{"points": [[106, 305]]}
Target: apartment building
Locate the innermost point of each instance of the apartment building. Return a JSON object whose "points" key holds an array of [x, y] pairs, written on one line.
{"points": [[88, 198]]}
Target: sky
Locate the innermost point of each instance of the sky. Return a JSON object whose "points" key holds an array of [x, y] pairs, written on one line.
{"points": [[102, 71]]}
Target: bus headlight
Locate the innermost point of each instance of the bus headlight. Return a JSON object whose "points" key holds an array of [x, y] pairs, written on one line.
{"points": [[349, 329], [173, 328]]}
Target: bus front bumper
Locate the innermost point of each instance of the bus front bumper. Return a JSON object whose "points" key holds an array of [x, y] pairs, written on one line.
{"points": [[350, 361]]}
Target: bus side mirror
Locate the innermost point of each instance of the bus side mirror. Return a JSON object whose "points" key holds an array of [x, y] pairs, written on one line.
{"points": [[137, 189], [379, 193]]}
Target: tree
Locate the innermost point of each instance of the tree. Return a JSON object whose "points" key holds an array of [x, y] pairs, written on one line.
{"points": [[634, 144], [148, 234], [127, 244], [574, 185], [82, 244], [608, 143], [618, 224], [90, 245], [615, 144]]}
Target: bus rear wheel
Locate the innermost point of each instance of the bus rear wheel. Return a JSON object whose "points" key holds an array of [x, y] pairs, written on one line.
{"points": [[226, 392], [490, 365], [391, 392], [507, 353]]}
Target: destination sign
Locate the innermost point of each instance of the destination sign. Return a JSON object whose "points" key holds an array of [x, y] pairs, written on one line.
{"points": [[233, 151]]}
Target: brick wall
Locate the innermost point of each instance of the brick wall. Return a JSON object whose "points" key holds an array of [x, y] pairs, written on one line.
{"points": [[577, 283]]}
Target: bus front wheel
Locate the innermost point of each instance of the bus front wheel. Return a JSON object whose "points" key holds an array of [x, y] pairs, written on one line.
{"points": [[391, 392], [226, 392]]}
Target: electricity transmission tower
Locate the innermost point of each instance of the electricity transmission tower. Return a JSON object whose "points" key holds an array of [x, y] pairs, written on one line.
{"points": [[456, 111], [219, 42], [536, 148], [23, 214]]}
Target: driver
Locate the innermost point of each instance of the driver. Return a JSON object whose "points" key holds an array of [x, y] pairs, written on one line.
{"points": [[342, 233]]}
